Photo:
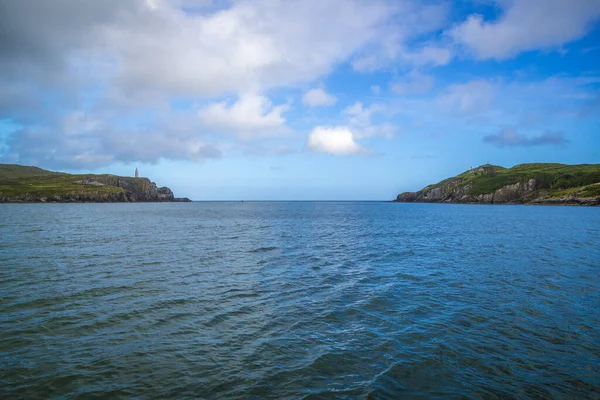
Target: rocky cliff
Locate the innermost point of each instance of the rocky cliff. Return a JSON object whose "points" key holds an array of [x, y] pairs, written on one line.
{"points": [[19, 184], [523, 184], [134, 189]]}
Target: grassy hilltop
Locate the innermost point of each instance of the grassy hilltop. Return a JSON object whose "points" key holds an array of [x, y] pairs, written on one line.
{"points": [[17, 180], [31, 184], [539, 183]]}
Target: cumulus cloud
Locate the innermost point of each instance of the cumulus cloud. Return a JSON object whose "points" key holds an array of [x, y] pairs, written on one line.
{"points": [[338, 141], [252, 116], [79, 140], [527, 25], [509, 137], [227, 51], [160, 45], [318, 97], [115, 68]]}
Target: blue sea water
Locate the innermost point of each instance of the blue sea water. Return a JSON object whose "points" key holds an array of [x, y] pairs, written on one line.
{"points": [[287, 300]]}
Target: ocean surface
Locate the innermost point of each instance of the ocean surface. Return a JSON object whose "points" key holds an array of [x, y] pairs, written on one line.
{"points": [[291, 300]]}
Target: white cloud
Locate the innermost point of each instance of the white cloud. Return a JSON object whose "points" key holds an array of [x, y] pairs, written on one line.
{"points": [[428, 55], [227, 51], [159, 49], [518, 102], [360, 119], [413, 83], [127, 62], [318, 97], [100, 145], [338, 141], [361, 115], [468, 98], [411, 21], [527, 25], [80, 123], [206, 48], [251, 117], [120, 70]]}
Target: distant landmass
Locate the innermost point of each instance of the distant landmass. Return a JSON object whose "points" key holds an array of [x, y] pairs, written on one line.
{"points": [[540, 183], [21, 184]]}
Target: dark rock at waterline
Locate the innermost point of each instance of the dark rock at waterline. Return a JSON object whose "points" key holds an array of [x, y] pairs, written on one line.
{"points": [[21, 184], [550, 184]]}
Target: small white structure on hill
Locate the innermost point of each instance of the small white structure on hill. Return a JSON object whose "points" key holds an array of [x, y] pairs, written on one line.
{"points": [[137, 175]]}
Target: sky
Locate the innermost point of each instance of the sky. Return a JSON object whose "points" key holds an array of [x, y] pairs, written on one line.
{"points": [[298, 100]]}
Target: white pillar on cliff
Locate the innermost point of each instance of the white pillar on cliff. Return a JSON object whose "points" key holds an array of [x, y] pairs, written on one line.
{"points": [[137, 175]]}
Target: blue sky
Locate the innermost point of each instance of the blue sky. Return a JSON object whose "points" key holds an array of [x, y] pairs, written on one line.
{"points": [[298, 100]]}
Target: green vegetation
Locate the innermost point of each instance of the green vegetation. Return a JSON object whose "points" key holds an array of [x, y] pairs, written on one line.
{"points": [[557, 178], [591, 191], [16, 180], [522, 184]]}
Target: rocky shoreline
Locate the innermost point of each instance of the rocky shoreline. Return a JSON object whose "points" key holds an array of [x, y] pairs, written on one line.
{"points": [[20, 184], [463, 189], [85, 199]]}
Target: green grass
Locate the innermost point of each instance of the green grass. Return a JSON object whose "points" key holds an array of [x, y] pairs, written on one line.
{"points": [[591, 191], [582, 191], [555, 177], [16, 180], [13, 171], [565, 192]]}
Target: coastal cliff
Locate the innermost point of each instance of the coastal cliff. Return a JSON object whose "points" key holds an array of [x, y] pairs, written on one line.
{"points": [[539, 183], [21, 184]]}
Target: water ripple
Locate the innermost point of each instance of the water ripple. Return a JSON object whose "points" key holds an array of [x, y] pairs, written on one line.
{"points": [[299, 301]]}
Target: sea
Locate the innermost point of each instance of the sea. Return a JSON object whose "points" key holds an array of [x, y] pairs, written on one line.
{"points": [[299, 300]]}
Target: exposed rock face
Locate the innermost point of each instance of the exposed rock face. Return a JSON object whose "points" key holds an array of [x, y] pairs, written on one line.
{"points": [[88, 181], [25, 184], [512, 193], [165, 194], [452, 191], [138, 189], [135, 190], [75, 197]]}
